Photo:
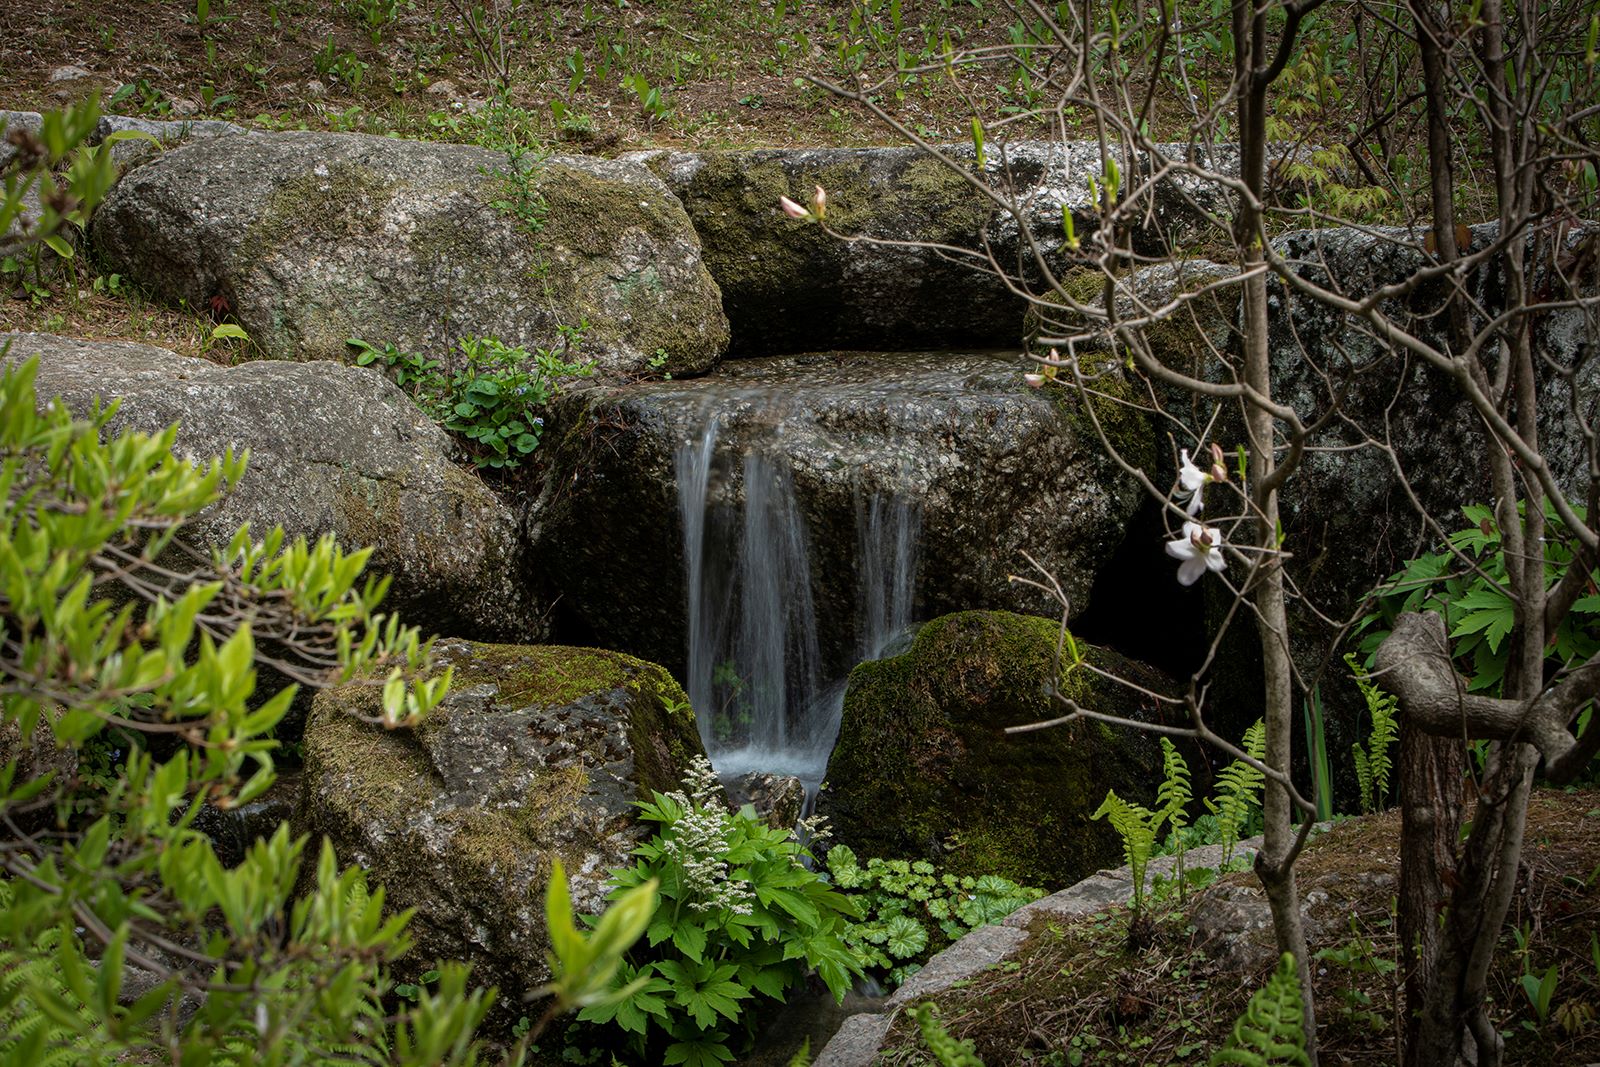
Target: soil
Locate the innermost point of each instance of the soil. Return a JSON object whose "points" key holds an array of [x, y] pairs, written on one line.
{"points": [[1077, 994]]}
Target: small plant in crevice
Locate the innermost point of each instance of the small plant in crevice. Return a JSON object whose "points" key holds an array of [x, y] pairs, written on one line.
{"points": [[738, 924], [946, 1049], [491, 397], [910, 910], [1356, 957], [520, 196]]}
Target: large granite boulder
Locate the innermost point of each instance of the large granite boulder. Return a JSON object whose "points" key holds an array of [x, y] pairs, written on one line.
{"points": [[815, 451], [537, 754], [788, 286], [333, 449], [923, 767], [310, 239], [1347, 515]]}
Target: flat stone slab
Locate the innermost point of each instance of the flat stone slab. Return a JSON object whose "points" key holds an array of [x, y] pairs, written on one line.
{"points": [[860, 1038]]}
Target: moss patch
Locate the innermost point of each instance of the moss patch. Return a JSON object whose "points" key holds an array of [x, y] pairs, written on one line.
{"points": [[380, 772], [924, 766], [661, 724], [349, 199]]}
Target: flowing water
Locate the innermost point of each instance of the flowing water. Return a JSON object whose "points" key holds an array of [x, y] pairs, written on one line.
{"points": [[757, 676]]}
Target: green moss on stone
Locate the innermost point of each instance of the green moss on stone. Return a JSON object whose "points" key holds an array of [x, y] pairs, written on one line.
{"points": [[661, 723], [498, 841], [350, 198], [924, 766], [586, 216], [379, 772], [960, 205]]}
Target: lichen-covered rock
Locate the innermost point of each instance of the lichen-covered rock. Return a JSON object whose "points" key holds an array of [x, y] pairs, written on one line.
{"points": [[923, 766], [788, 286], [1344, 511], [310, 239], [989, 468], [333, 449], [537, 754]]}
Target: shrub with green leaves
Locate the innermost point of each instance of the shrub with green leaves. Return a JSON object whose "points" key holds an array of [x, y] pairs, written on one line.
{"points": [[95, 890], [1473, 602], [910, 910], [492, 397], [739, 923]]}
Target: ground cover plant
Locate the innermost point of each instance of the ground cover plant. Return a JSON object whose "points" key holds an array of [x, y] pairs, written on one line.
{"points": [[740, 923]]}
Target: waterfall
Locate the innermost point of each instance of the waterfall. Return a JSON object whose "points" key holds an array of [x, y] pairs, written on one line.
{"points": [[755, 671]]}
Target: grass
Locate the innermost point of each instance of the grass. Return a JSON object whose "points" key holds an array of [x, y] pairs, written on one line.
{"points": [[1077, 995], [728, 74]]}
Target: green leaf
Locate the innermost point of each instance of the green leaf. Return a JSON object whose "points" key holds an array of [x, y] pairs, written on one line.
{"points": [[231, 331], [689, 939]]}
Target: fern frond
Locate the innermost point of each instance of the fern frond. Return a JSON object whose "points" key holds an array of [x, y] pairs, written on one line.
{"points": [[802, 1057], [1137, 826], [1270, 1033], [28, 1033], [1238, 789], [1175, 793], [1373, 764]]}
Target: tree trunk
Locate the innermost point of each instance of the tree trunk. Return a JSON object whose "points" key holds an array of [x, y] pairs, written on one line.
{"points": [[1432, 770]]}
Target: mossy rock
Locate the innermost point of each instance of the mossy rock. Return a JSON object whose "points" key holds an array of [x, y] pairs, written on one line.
{"points": [[333, 450], [310, 239], [537, 754], [988, 468], [887, 287], [777, 275], [923, 766]]}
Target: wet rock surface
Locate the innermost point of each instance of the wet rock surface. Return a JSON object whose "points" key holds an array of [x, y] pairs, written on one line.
{"points": [[778, 799], [992, 467], [537, 754], [333, 449]]}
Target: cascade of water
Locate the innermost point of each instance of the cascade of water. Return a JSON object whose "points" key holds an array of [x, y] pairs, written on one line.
{"points": [[755, 671], [692, 468], [886, 529]]}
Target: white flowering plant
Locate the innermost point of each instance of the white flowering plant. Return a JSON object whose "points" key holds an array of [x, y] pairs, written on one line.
{"points": [[739, 922]]}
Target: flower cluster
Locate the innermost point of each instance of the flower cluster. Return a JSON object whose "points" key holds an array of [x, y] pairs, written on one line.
{"points": [[1199, 548], [698, 843]]}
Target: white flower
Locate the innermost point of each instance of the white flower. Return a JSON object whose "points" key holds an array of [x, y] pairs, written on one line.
{"points": [[1200, 549], [1193, 480], [792, 209]]}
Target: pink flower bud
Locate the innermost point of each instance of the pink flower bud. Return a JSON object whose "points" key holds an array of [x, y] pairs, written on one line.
{"points": [[819, 202], [1035, 381], [792, 209]]}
